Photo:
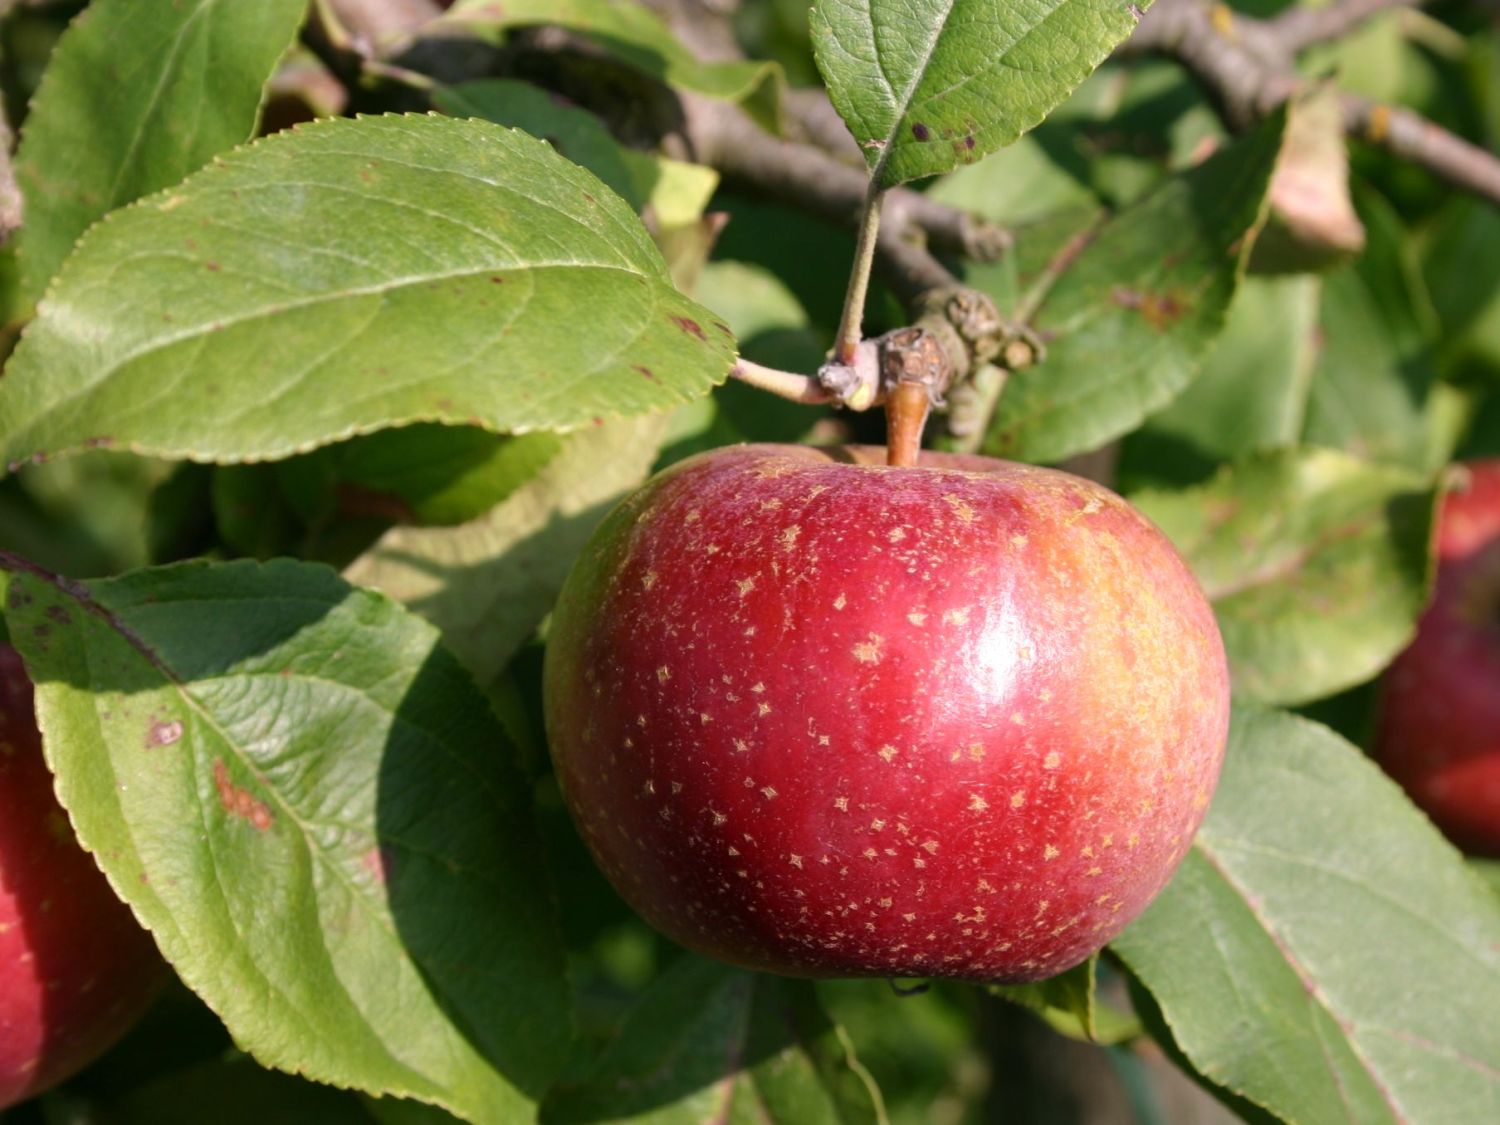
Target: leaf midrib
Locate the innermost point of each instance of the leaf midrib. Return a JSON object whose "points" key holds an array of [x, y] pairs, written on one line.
{"points": [[166, 70], [1309, 984], [904, 100], [204, 331]]}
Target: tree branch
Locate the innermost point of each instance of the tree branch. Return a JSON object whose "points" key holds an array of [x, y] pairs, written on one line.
{"points": [[808, 178], [815, 121], [1412, 137], [1245, 65], [785, 384], [1301, 27]]}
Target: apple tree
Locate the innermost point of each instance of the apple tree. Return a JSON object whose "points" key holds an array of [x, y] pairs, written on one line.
{"points": [[333, 330]]}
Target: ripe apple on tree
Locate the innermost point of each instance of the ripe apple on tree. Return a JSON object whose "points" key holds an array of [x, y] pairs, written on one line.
{"points": [[75, 969], [1439, 728], [824, 717]]}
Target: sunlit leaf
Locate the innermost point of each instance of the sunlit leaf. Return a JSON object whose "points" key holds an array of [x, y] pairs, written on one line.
{"points": [[352, 276], [927, 85]]}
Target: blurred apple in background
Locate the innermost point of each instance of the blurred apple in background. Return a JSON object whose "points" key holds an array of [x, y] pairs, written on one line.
{"points": [[1439, 727]]}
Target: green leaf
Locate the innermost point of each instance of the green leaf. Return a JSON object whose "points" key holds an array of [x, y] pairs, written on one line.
{"points": [[926, 1047], [130, 104], [1374, 59], [488, 583], [1322, 951], [442, 474], [1373, 386], [1344, 363], [352, 276], [1129, 311], [1488, 871], [252, 512], [677, 192], [1251, 395], [333, 503], [1022, 183], [574, 132], [1066, 999], [772, 328], [711, 1043], [1019, 278], [309, 804], [234, 1091], [1127, 127], [1316, 564], [84, 517], [1463, 241], [927, 85], [634, 34]]}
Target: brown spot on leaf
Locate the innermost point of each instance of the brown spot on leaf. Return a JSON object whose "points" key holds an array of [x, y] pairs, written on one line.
{"points": [[646, 371], [920, 131], [240, 802], [1159, 310], [211, 267], [690, 326]]}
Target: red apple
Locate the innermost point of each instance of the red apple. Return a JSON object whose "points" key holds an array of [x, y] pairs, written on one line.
{"points": [[822, 717], [1439, 728], [75, 969]]}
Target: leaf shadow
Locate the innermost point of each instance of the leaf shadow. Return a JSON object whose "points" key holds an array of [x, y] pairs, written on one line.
{"points": [[700, 1035], [458, 856], [487, 607]]}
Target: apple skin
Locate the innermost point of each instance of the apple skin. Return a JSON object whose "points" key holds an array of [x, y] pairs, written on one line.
{"points": [[75, 968], [1439, 728], [820, 717]]}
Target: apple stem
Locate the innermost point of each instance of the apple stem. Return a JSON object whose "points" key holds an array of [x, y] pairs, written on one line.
{"points": [[906, 409], [849, 334]]}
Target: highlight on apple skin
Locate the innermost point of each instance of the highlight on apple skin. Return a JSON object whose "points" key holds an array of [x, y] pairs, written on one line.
{"points": [[75, 968], [1439, 728], [820, 717]]}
